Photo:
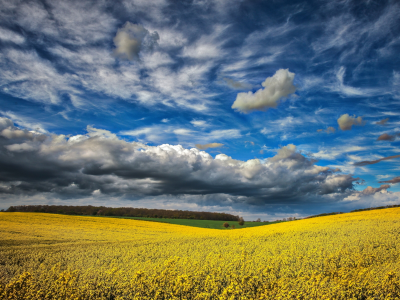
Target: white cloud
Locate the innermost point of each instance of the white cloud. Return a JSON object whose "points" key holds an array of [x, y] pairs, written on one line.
{"points": [[81, 22], [266, 130], [352, 91], [276, 88], [224, 134], [20, 147], [207, 46], [96, 192], [153, 9], [74, 23], [11, 36], [28, 76], [156, 59], [290, 121], [25, 122], [332, 153], [184, 136], [374, 197], [199, 123], [183, 131], [202, 50], [380, 177], [171, 38], [234, 66], [153, 134], [86, 66]]}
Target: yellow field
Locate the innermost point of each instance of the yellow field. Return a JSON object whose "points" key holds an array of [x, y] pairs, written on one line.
{"points": [[348, 256]]}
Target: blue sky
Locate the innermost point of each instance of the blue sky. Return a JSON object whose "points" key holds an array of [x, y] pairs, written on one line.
{"points": [[260, 108]]}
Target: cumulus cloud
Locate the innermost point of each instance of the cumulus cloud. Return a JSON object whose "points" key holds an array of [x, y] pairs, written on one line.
{"points": [[387, 137], [370, 197], [210, 145], [286, 152], [346, 121], [380, 198], [382, 122], [371, 162], [100, 163], [276, 88], [131, 38]]}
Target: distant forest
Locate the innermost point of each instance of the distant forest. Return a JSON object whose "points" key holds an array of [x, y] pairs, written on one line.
{"points": [[124, 212]]}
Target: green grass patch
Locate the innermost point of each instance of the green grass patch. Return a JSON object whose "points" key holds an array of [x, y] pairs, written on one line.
{"points": [[201, 223]]}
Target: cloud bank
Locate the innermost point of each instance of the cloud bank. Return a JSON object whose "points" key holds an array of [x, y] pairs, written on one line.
{"points": [[99, 162], [276, 88]]}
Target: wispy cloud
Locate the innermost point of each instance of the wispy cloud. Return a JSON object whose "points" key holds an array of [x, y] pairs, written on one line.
{"points": [[365, 163], [387, 137], [210, 145], [393, 181], [382, 122], [7, 35], [237, 85], [332, 153], [28, 123], [185, 136]]}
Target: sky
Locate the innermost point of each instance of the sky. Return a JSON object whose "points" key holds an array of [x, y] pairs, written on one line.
{"points": [[263, 109]]}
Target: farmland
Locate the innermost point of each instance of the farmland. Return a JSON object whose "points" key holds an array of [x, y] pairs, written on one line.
{"points": [[345, 256], [202, 223]]}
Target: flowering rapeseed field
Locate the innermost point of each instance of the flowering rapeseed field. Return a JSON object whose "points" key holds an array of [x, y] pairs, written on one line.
{"points": [[347, 256]]}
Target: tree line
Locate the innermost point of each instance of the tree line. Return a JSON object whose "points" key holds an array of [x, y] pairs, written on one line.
{"points": [[124, 212]]}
